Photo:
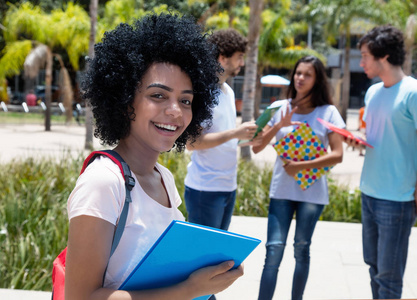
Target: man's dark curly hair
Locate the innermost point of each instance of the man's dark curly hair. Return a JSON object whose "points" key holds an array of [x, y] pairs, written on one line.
{"points": [[123, 57], [385, 40], [228, 41]]}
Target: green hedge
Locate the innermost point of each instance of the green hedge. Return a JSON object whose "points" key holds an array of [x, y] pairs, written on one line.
{"points": [[34, 225]]}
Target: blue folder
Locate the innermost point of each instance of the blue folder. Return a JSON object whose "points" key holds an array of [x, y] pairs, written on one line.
{"points": [[183, 248]]}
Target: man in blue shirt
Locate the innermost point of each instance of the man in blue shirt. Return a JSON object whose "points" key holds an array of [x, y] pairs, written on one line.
{"points": [[389, 174]]}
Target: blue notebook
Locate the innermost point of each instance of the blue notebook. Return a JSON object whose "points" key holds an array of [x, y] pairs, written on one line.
{"points": [[183, 248]]}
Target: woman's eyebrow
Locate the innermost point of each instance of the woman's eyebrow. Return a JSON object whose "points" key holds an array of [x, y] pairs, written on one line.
{"points": [[158, 85], [167, 88]]}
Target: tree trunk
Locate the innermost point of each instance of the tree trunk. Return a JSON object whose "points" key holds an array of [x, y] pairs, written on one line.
{"points": [[409, 35], [232, 3], [209, 12], [66, 93], [249, 85], [88, 112], [346, 78], [258, 93], [48, 88]]}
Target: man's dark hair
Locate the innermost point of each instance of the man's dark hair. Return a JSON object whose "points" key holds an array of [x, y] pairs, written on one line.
{"points": [[124, 56], [228, 41], [320, 94], [385, 40]]}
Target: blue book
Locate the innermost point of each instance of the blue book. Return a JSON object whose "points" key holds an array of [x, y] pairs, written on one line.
{"points": [[183, 248]]}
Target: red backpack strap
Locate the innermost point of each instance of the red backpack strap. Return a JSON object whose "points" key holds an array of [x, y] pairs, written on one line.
{"points": [[58, 272], [109, 153], [118, 160], [129, 184]]}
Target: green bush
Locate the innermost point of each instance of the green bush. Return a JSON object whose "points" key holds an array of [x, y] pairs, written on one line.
{"points": [[34, 224], [33, 219], [344, 204]]}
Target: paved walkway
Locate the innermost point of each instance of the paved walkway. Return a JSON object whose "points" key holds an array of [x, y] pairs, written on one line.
{"points": [[337, 269], [25, 140]]}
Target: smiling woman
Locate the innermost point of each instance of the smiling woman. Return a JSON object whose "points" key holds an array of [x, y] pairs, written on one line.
{"points": [[150, 85], [163, 108]]}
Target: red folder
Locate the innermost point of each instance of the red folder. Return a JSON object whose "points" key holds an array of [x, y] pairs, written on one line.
{"points": [[344, 132]]}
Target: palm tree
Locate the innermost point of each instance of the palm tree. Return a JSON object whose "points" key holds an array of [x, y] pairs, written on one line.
{"points": [[403, 14], [39, 57], [88, 112], [339, 16], [35, 35], [277, 46], [410, 37], [66, 92], [249, 85]]}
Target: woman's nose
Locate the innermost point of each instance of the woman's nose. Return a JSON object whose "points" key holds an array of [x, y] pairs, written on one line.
{"points": [[173, 108]]}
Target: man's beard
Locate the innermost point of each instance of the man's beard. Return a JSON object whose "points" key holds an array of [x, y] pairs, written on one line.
{"points": [[235, 72]]}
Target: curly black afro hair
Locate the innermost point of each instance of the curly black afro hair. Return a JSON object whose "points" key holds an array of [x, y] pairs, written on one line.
{"points": [[124, 56], [228, 41]]}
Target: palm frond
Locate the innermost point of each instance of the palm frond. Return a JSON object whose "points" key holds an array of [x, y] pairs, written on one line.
{"points": [[14, 54], [26, 22], [120, 11], [218, 21], [287, 57], [72, 29]]}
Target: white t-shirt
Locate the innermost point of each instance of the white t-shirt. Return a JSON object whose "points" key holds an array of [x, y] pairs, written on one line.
{"points": [[100, 192], [215, 169], [284, 186]]}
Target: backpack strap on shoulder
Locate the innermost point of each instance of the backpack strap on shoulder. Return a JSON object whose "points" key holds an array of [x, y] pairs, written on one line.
{"points": [[129, 184]]}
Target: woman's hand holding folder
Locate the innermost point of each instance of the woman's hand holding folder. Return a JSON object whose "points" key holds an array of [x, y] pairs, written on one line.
{"points": [[212, 279]]}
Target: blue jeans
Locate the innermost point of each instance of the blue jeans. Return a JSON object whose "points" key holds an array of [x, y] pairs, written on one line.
{"points": [[214, 209], [279, 220], [386, 227]]}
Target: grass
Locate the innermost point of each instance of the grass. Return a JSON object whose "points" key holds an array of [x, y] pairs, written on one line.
{"points": [[33, 220], [34, 224], [12, 117]]}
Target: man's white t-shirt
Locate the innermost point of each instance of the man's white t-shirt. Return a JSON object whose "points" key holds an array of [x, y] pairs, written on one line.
{"points": [[215, 169], [100, 192]]}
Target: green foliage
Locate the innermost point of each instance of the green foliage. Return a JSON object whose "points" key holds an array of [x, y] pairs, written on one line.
{"points": [[27, 25], [119, 11], [72, 29], [177, 164], [340, 14], [218, 21], [11, 63], [26, 22], [344, 204], [33, 221], [277, 46], [252, 196]]}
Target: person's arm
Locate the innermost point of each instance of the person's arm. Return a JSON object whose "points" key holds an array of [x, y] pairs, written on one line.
{"points": [[331, 159], [269, 132], [89, 243], [244, 131], [415, 196]]}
